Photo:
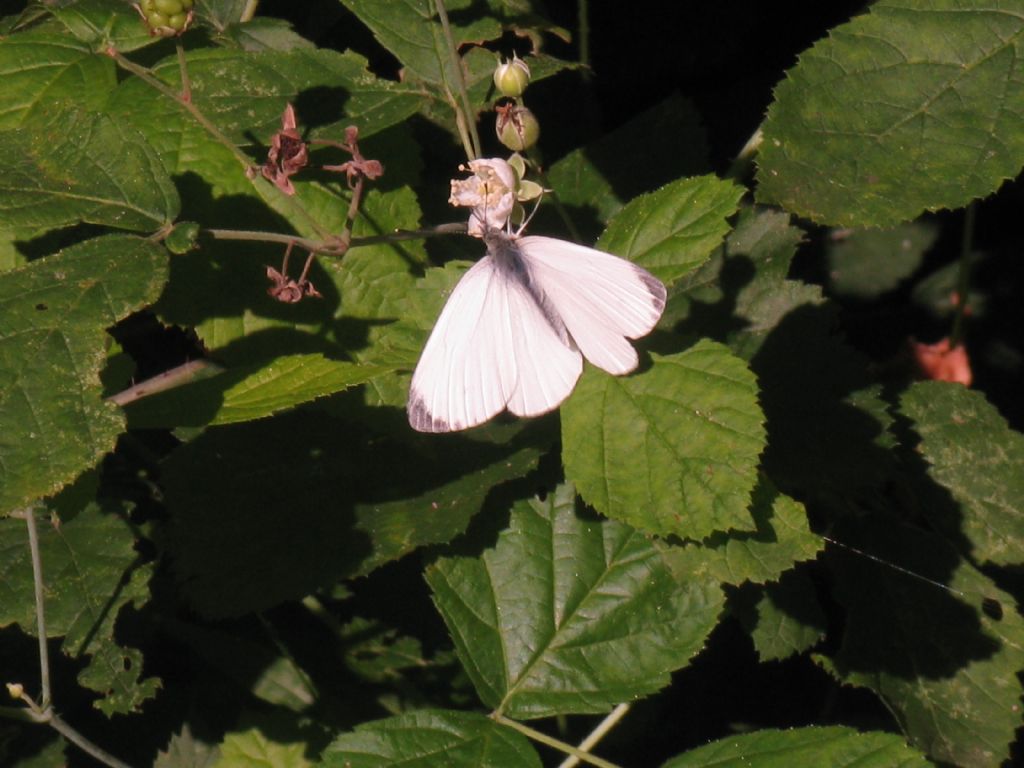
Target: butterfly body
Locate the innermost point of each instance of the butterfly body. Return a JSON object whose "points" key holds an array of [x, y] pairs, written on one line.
{"points": [[514, 332]]}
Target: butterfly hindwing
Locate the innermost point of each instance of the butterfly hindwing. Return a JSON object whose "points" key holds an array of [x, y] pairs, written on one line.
{"points": [[602, 299]]}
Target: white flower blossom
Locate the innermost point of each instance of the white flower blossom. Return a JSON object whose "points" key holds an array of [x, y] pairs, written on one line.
{"points": [[490, 192]]}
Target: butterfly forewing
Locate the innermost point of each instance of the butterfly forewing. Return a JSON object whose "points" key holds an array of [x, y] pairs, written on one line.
{"points": [[465, 374], [492, 347]]}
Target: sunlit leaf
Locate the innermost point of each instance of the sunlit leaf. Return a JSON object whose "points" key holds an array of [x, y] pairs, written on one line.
{"points": [[432, 737], [972, 451], [53, 424], [821, 747], [946, 669], [909, 107], [543, 620], [39, 70], [782, 538], [64, 169], [673, 230], [670, 450]]}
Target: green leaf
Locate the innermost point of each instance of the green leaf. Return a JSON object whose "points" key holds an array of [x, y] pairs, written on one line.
{"points": [[672, 231], [833, 747], [543, 620], [866, 263], [972, 452], [220, 13], [376, 652], [244, 93], [90, 572], [741, 294], [52, 420], [186, 751], [254, 667], [250, 748], [671, 450], [827, 426], [946, 669], [72, 166], [39, 70], [104, 23], [781, 539], [910, 107], [250, 393], [784, 618], [429, 738], [266, 34], [594, 182], [320, 499]]}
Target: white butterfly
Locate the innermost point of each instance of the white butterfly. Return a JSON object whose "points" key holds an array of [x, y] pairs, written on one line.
{"points": [[519, 323]]}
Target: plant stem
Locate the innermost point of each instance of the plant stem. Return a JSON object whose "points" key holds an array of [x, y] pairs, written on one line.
{"points": [[175, 377], [270, 237], [186, 84], [554, 743], [43, 712], [597, 734], [963, 281], [460, 81], [583, 11], [37, 580], [84, 744], [331, 247]]}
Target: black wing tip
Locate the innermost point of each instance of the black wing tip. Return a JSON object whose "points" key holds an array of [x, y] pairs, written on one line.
{"points": [[654, 287], [422, 420]]}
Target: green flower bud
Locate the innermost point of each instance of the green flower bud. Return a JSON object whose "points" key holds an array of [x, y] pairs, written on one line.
{"points": [[512, 77], [517, 127]]}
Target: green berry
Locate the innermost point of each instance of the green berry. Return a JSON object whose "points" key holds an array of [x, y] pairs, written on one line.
{"points": [[168, 7], [157, 19], [178, 21]]}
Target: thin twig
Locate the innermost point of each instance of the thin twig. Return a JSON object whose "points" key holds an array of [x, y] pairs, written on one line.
{"points": [[37, 580], [175, 377], [554, 743], [597, 734], [963, 281], [42, 711]]}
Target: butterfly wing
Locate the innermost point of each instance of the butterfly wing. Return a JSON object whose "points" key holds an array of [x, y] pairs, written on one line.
{"points": [[602, 299], [491, 348]]}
